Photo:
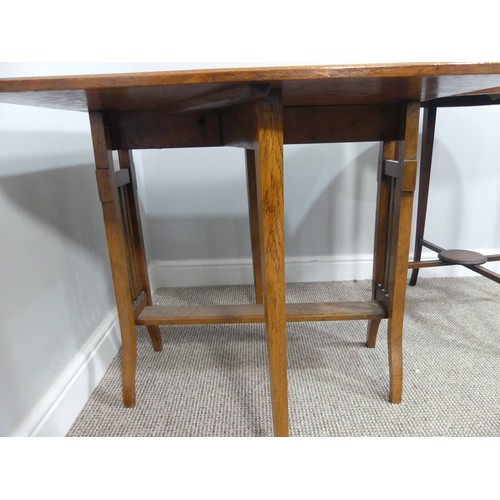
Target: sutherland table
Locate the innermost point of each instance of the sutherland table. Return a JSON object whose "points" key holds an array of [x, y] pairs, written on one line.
{"points": [[258, 110]]}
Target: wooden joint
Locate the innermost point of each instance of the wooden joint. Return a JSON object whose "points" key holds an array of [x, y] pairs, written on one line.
{"points": [[406, 171], [381, 295], [106, 182], [268, 116], [140, 303], [391, 149], [236, 126], [411, 130], [101, 140]]}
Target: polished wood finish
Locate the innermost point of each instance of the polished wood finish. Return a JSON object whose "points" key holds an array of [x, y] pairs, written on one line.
{"points": [[309, 85], [268, 116], [349, 123], [113, 220], [464, 257], [229, 126], [400, 243], [118, 195], [137, 253], [396, 180], [487, 273], [484, 98], [255, 226], [139, 304], [260, 109], [428, 132], [380, 251], [221, 98], [254, 313], [158, 129]]}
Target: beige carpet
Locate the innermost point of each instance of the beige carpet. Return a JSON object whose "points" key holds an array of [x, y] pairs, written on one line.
{"points": [[212, 380]]}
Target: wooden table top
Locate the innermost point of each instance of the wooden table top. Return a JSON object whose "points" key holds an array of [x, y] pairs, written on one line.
{"points": [[301, 86]]}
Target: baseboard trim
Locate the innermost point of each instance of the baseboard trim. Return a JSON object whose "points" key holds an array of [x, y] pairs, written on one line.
{"points": [[57, 410], [184, 273]]}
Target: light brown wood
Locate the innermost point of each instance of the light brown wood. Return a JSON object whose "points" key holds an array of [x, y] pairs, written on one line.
{"points": [[137, 251], [117, 254], [139, 304], [381, 229], [255, 229], [399, 250], [300, 86], [254, 313], [244, 75], [269, 170], [397, 176], [135, 283]]}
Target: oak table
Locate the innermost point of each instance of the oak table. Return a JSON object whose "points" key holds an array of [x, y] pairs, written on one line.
{"points": [[260, 110]]}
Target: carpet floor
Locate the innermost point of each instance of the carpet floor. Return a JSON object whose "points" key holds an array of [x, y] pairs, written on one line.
{"points": [[211, 380]]}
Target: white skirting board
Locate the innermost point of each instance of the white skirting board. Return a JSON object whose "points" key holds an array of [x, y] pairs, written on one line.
{"points": [[183, 273], [56, 411], [54, 414]]}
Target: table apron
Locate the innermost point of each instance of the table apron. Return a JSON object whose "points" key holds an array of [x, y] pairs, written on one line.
{"points": [[234, 126]]}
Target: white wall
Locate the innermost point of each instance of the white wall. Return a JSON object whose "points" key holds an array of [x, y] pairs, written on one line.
{"points": [[59, 332], [464, 196], [197, 211], [198, 221]]}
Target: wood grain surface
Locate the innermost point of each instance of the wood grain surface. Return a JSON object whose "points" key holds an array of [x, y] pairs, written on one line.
{"points": [[301, 85], [254, 313]]}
